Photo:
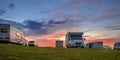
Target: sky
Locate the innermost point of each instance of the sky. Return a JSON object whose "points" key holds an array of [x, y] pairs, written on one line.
{"points": [[45, 20]]}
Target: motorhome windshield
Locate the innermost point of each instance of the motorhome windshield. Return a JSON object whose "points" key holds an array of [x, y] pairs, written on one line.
{"points": [[117, 44], [76, 37], [31, 41]]}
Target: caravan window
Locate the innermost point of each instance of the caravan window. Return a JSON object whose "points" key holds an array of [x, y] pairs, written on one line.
{"points": [[18, 34], [3, 30]]}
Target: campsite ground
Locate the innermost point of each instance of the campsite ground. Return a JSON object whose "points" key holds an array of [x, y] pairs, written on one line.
{"points": [[15, 52]]}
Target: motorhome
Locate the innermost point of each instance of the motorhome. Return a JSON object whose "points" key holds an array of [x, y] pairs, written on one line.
{"points": [[59, 44], [75, 40], [117, 46], [10, 34], [94, 45]]}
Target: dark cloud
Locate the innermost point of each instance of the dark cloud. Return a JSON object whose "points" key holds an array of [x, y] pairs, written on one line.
{"points": [[57, 22], [33, 24], [109, 14], [34, 28], [2, 11], [47, 27], [11, 5], [113, 27], [39, 25]]}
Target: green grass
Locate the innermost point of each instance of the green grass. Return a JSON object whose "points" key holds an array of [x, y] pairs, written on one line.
{"points": [[14, 52]]}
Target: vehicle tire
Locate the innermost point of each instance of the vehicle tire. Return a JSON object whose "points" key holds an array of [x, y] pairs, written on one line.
{"points": [[82, 46]]}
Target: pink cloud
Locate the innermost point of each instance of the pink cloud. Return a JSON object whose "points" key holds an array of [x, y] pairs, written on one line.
{"points": [[59, 35], [79, 2], [74, 3], [111, 11], [108, 14], [46, 43], [56, 12]]}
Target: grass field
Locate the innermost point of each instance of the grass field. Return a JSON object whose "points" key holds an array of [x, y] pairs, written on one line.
{"points": [[14, 52]]}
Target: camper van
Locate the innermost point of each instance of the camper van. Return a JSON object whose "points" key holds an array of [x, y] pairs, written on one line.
{"points": [[59, 44], [10, 34], [31, 43], [94, 45], [117, 46], [75, 40]]}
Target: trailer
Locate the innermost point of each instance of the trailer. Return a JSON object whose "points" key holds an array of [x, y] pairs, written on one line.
{"points": [[94, 45], [59, 44], [75, 40], [10, 34], [117, 46]]}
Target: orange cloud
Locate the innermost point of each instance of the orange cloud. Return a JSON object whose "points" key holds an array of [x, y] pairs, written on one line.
{"points": [[46, 43]]}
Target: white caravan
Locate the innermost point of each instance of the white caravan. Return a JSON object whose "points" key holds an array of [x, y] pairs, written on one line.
{"points": [[94, 45], [10, 34], [75, 40], [117, 46]]}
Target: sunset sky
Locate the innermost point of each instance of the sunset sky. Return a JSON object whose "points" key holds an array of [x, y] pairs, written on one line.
{"points": [[52, 19]]}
